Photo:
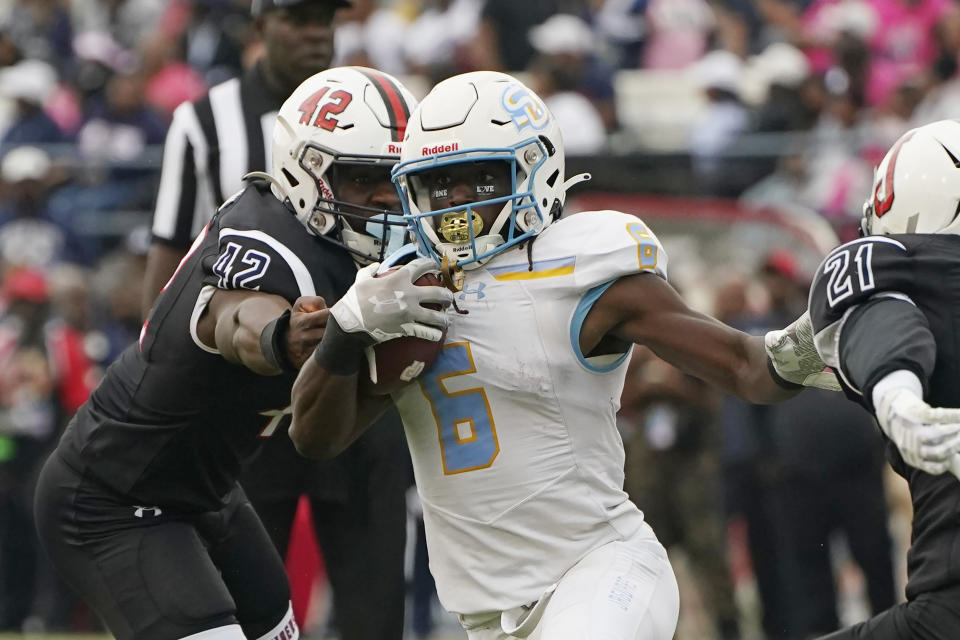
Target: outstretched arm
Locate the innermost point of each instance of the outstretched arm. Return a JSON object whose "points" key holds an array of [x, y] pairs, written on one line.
{"points": [[261, 331], [644, 309]]}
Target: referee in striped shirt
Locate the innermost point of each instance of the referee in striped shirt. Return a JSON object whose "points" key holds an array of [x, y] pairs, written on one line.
{"points": [[213, 142], [357, 499]]}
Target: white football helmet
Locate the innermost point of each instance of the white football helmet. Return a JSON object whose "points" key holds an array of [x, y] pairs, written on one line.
{"points": [[916, 188], [477, 117], [341, 116]]}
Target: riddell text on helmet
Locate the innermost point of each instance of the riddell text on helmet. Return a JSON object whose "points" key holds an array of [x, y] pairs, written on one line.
{"points": [[445, 147]]}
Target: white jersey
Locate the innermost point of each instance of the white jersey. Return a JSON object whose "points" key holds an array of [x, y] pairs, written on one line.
{"points": [[512, 431]]}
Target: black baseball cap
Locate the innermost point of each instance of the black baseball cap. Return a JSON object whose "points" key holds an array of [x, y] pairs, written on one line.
{"points": [[259, 6]]}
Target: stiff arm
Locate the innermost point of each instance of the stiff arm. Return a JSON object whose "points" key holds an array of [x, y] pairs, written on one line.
{"points": [[645, 309], [234, 323]]}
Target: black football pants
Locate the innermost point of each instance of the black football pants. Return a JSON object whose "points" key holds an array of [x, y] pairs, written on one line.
{"points": [[934, 615], [153, 574]]}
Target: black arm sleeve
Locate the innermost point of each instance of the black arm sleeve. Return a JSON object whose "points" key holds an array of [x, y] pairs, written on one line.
{"points": [[884, 335]]}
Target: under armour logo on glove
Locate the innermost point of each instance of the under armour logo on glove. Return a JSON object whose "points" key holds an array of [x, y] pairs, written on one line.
{"points": [[394, 305], [139, 511], [390, 305]]}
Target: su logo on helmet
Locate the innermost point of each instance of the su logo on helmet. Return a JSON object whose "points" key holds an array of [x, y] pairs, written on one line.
{"points": [[524, 107]]}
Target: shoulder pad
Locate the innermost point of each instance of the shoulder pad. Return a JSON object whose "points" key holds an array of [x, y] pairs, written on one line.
{"points": [[855, 272], [608, 245], [849, 276], [253, 259]]}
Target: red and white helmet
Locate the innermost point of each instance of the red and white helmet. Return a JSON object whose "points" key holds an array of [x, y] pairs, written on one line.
{"points": [[345, 115], [916, 188], [476, 117]]}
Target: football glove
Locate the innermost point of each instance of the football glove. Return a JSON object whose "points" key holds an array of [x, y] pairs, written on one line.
{"points": [[390, 305], [928, 438], [955, 465], [794, 356]]}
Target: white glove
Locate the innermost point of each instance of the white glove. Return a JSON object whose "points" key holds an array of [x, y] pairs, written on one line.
{"points": [[955, 465], [928, 438], [795, 358], [391, 305]]}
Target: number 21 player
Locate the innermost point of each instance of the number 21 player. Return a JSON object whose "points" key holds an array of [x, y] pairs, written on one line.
{"points": [[886, 311]]}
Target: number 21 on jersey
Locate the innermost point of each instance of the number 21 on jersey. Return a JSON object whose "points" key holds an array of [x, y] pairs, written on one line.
{"points": [[841, 284], [465, 426]]}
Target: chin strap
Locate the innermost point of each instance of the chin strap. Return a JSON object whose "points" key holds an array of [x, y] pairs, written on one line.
{"points": [[451, 275]]}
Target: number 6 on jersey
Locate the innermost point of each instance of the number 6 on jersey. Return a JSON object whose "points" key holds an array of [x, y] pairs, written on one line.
{"points": [[468, 436]]}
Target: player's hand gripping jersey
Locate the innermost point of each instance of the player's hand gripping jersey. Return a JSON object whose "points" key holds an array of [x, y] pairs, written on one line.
{"points": [[512, 431], [922, 270], [173, 421]]}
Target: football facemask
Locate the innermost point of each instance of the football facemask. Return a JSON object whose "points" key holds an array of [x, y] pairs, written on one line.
{"points": [[369, 233], [469, 120], [468, 208]]}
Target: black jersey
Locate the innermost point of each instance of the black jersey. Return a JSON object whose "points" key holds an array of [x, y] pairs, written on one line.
{"points": [[923, 269], [173, 421]]}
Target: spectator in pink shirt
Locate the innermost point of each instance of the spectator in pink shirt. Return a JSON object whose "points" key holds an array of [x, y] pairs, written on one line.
{"points": [[897, 34]]}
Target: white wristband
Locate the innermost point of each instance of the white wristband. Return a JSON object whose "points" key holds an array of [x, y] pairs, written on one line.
{"points": [[900, 379]]}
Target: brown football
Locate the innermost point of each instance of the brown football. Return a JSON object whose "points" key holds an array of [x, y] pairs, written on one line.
{"points": [[398, 362]]}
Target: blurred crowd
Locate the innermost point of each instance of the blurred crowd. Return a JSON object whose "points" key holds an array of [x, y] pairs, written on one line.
{"points": [[103, 77], [780, 103], [772, 100], [787, 503]]}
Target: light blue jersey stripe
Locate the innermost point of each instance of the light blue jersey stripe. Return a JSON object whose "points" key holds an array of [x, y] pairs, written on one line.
{"points": [[579, 315]]}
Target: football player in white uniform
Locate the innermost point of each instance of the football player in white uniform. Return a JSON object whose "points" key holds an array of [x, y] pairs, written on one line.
{"points": [[517, 457]]}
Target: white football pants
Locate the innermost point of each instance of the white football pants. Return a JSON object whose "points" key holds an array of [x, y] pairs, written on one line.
{"points": [[623, 590]]}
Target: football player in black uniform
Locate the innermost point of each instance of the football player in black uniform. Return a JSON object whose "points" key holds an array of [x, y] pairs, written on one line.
{"points": [[886, 312], [139, 507]]}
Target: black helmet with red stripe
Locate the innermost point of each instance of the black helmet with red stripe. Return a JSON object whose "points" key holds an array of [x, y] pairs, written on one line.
{"points": [[339, 118]]}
